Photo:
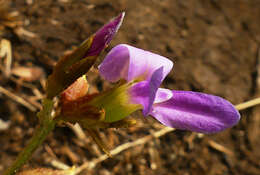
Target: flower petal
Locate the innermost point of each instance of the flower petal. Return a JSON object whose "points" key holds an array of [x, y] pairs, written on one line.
{"points": [[105, 34], [133, 64], [162, 95], [130, 63], [197, 112], [144, 92], [76, 90]]}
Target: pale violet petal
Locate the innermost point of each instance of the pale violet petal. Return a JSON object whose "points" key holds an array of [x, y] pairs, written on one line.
{"points": [[130, 63], [115, 66]]}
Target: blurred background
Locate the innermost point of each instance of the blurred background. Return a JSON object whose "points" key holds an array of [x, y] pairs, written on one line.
{"points": [[215, 47]]}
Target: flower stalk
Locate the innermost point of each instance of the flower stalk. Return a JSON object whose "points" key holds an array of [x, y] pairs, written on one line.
{"points": [[46, 126]]}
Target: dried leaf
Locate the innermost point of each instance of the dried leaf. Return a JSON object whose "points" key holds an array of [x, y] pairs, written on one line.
{"points": [[28, 73], [6, 54]]}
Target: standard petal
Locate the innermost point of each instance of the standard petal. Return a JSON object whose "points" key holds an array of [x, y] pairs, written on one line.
{"points": [[197, 112], [130, 63], [105, 34], [115, 65]]}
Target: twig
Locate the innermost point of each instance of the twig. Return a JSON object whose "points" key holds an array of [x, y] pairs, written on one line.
{"points": [[50, 151], [17, 99], [21, 31], [91, 164], [248, 104], [57, 164], [220, 148], [78, 131]]}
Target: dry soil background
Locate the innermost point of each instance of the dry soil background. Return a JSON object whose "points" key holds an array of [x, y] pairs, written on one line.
{"points": [[214, 45]]}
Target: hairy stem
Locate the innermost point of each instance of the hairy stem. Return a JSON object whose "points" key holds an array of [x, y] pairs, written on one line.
{"points": [[46, 126]]}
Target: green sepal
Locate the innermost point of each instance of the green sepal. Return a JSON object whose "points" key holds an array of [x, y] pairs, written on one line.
{"points": [[116, 103], [124, 123], [69, 68], [87, 116]]}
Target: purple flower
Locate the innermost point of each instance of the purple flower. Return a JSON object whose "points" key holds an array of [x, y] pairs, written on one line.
{"points": [[186, 110], [105, 34]]}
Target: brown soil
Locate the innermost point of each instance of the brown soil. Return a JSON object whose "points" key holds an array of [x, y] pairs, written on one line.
{"points": [[215, 48]]}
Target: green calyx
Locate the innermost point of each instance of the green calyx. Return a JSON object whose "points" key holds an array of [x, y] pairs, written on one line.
{"points": [[116, 103], [69, 68], [108, 109]]}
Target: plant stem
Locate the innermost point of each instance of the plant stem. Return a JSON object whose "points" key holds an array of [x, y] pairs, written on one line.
{"points": [[46, 126]]}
